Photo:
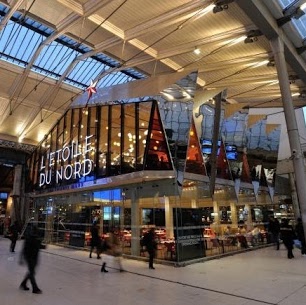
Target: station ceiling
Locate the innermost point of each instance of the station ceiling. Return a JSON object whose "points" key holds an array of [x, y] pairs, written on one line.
{"points": [[52, 51]]}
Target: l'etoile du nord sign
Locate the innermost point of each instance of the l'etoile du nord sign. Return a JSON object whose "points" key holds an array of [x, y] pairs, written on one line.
{"points": [[79, 165]]}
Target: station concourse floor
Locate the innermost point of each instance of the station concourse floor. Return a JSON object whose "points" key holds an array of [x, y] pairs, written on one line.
{"points": [[69, 277]]}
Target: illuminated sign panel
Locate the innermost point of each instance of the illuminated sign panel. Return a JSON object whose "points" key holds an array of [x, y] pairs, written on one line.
{"points": [[80, 165]]}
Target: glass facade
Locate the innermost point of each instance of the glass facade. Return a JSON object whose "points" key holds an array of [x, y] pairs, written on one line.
{"points": [[134, 166]]}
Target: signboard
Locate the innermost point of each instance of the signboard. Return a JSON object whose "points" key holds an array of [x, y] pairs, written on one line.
{"points": [[79, 165]]}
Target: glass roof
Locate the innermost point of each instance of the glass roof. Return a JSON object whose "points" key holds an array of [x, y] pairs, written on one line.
{"points": [[300, 23], [22, 36]]}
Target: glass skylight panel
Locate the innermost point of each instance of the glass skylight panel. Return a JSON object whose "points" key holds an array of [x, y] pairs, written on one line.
{"points": [[21, 37], [107, 60], [300, 24], [55, 58], [13, 43], [86, 70], [286, 3]]}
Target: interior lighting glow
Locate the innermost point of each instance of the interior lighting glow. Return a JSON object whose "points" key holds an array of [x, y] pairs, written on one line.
{"points": [[197, 51], [168, 96]]}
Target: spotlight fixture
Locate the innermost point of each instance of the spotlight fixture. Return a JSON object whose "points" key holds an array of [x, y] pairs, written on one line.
{"points": [[302, 94], [221, 5], [252, 36], [301, 49], [197, 51], [271, 63], [293, 78]]}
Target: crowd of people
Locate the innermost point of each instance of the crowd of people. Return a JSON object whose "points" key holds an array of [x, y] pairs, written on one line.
{"points": [[277, 231]]}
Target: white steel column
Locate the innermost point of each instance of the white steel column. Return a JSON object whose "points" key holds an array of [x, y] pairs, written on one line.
{"points": [[135, 222], [292, 128], [169, 218]]}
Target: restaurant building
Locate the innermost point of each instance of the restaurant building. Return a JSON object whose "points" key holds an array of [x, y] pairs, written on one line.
{"points": [[151, 154]]}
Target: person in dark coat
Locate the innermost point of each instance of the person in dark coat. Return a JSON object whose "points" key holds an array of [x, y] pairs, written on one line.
{"points": [[274, 231], [150, 244], [14, 230], [287, 235], [95, 240], [299, 230], [30, 255]]}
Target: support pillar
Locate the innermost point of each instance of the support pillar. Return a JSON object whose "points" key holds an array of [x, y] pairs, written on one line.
{"points": [[295, 201], [249, 217], [169, 219], [234, 214], [292, 127], [16, 194], [216, 223], [135, 223]]}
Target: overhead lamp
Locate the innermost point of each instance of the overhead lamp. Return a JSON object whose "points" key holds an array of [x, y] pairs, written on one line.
{"points": [[302, 94], [293, 78], [252, 36], [271, 63], [221, 5], [301, 49], [197, 51], [291, 12]]}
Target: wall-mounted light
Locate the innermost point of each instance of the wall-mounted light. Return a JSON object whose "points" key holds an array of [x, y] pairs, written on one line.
{"points": [[293, 78], [221, 5], [252, 36], [301, 49], [197, 51], [302, 94], [271, 63]]}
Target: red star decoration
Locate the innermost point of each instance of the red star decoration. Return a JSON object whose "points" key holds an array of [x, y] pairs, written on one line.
{"points": [[91, 89]]}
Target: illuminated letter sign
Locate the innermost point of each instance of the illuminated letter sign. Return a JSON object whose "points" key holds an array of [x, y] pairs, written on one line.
{"points": [[72, 163]]}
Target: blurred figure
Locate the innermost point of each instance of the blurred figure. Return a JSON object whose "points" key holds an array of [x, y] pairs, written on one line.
{"points": [[95, 240], [300, 235], [30, 255], [14, 231], [287, 235], [274, 231], [150, 244], [115, 248], [255, 235], [227, 231]]}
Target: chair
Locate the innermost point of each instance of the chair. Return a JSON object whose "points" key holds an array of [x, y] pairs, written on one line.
{"points": [[170, 249], [215, 245], [230, 242], [243, 241]]}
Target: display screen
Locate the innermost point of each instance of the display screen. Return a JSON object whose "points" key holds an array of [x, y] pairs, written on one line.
{"points": [[231, 150]]}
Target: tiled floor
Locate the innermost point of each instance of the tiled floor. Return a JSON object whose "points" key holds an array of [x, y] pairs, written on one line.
{"points": [[69, 277]]}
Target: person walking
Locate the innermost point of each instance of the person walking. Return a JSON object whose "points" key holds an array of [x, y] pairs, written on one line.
{"points": [[30, 255], [95, 240], [14, 231], [299, 230], [115, 248], [287, 235], [274, 231], [150, 244]]}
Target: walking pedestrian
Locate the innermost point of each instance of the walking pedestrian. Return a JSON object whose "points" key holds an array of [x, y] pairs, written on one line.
{"points": [[299, 230], [95, 240], [115, 248], [14, 231], [274, 231], [30, 254], [150, 244], [287, 235]]}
